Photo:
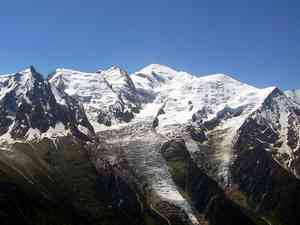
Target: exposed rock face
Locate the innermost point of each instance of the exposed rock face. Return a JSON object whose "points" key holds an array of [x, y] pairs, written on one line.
{"points": [[116, 187], [197, 133], [29, 108], [108, 96], [274, 126], [121, 83], [113, 187], [207, 197], [23, 91], [270, 189]]}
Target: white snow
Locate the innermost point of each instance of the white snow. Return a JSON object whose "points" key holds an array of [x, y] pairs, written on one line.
{"points": [[91, 89], [294, 95], [21, 85], [143, 153], [183, 94], [116, 77], [52, 133], [179, 90], [35, 134], [58, 95], [280, 112], [83, 129], [6, 138], [180, 94]]}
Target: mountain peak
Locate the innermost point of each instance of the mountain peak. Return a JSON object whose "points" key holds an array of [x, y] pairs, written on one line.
{"points": [[30, 73], [29, 108], [219, 77], [32, 69], [115, 67], [157, 68], [65, 70], [115, 70]]}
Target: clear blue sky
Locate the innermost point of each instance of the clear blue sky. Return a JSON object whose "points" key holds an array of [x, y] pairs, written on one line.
{"points": [[256, 41]]}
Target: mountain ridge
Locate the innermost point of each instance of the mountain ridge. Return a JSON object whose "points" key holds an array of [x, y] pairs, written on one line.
{"points": [[166, 96], [150, 134], [29, 108]]}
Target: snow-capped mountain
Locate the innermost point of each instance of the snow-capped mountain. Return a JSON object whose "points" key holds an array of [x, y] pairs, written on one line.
{"points": [[108, 96], [215, 104], [161, 135], [30, 110], [183, 96], [223, 108], [294, 95]]}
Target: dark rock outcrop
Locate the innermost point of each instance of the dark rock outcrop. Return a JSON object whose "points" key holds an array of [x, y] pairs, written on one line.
{"points": [[29, 103], [207, 196], [270, 189]]}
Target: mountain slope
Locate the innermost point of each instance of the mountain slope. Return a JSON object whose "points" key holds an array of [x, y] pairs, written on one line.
{"points": [[294, 95], [276, 128], [108, 96], [185, 95], [220, 106], [29, 109], [217, 104]]}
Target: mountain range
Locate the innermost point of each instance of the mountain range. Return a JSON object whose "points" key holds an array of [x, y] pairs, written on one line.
{"points": [[158, 146]]}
